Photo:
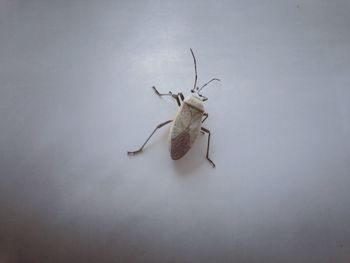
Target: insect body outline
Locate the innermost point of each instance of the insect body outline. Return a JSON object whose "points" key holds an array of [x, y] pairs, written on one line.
{"points": [[188, 120]]}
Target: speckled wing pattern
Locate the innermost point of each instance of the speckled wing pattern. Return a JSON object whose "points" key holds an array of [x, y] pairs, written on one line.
{"points": [[185, 127]]}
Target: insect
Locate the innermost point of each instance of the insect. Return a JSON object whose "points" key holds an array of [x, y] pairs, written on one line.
{"points": [[188, 120]]}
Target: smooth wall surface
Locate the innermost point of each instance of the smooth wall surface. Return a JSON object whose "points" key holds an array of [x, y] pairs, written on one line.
{"points": [[75, 96]]}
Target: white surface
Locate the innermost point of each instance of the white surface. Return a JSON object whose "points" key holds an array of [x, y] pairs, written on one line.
{"points": [[75, 95]]}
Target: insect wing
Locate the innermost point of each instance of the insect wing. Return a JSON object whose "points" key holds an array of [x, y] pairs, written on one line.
{"points": [[185, 130]]}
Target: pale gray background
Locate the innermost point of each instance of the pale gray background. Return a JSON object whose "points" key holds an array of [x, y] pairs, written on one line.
{"points": [[75, 95]]}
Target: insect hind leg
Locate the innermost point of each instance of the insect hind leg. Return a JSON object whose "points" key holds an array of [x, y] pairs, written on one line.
{"points": [[208, 145], [178, 97], [149, 137]]}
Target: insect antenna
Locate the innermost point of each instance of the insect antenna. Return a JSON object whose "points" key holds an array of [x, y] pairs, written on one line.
{"points": [[207, 83], [195, 70]]}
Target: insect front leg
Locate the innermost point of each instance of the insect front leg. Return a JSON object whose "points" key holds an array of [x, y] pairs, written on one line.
{"points": [[178, 97], [143, 145], [207, 156]]}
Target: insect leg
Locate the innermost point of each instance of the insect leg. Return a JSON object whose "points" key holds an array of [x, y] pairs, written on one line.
{"points": [[162, 94], [206, 115], [143, 145], [181, 96], [207, 156], [177, 97]]}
